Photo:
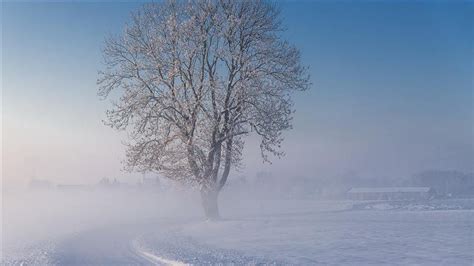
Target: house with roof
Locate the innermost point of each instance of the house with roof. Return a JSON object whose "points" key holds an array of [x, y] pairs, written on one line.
{"points": [[390, 193]]}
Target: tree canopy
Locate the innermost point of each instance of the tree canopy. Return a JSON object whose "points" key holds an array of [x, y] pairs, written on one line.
{"points": [[194, 79]]}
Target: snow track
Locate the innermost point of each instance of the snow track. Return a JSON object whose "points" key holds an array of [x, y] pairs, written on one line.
{"points": [[158, 260], [102, 246], [311, 235]]}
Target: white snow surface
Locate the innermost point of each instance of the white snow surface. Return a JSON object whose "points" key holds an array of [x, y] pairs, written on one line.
{"points": [[120, 230], [310, 232]]}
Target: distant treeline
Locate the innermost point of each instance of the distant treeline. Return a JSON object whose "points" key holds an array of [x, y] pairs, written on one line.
{"points": [[446, 183]]}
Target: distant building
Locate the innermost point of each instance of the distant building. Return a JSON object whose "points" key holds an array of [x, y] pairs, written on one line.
{"points": [[39, 184], [389, 193], [74, 187]]}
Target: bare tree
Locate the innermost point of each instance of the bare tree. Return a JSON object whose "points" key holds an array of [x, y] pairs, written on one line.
{"points": [[194, 79]]}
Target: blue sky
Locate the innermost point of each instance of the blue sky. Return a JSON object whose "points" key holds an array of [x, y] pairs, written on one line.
{"points": [[392, 90]]}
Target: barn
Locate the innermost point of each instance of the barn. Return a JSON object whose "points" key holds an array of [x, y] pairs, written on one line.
{"points": [[389, 193]]}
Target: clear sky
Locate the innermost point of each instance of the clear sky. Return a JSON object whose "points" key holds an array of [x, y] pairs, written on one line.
{"points": [[392, 90]]}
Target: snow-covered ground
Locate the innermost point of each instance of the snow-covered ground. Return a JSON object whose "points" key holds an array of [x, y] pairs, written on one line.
{"points": [[253, 231], [305, 232]]}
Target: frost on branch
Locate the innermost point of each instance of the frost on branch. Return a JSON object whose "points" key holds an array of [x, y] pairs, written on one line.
{"points": [[194, 79]]}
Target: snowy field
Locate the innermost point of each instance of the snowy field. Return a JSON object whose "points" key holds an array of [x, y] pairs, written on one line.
{"points": [[97, 231], [314, 233]]}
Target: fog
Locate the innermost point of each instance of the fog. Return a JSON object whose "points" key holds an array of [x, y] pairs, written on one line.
{"points": [[265, 219], [31, 215], [39, 218]]}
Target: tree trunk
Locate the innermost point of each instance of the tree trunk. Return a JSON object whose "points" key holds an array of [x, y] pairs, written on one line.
{"points": [[209, 203]]}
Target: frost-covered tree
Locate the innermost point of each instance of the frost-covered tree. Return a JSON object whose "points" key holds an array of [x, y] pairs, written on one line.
{"points": [[193, 79]]}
